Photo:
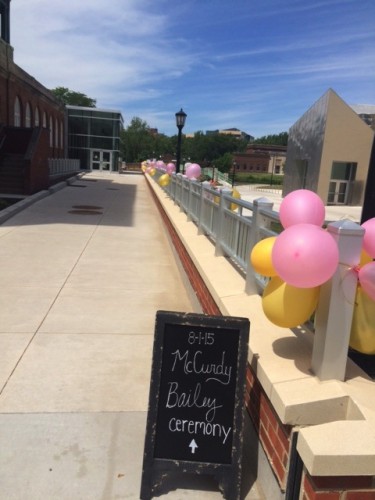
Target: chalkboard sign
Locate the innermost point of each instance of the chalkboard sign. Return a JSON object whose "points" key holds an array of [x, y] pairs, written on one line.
{"points": [[196, 402]]}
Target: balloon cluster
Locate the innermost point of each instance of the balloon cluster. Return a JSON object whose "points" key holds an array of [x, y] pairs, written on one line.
{"points": [[300, 259], [152, 166], [362, 335]]}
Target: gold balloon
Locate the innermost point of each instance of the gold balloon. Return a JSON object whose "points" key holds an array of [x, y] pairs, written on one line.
{"points": [[365, 258], [288, 306], [152, 171], [362, 335], [261, 257], [164, 180], [237, 195]]}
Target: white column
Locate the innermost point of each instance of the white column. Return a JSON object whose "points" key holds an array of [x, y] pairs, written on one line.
{"points": [[334, 314]]}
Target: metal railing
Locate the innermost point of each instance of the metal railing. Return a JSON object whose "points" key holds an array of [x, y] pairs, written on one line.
{"points": [[63, 166], [233, 225]]}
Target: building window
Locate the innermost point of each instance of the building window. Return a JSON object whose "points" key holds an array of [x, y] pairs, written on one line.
{"points": [[56, 133], [17, 112], [51, 131], [37, 118], [28, 116], [62, 134], [44, 120]]}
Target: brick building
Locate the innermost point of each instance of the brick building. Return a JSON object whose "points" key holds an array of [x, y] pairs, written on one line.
{"points": [[31, 122], [261, 158]]}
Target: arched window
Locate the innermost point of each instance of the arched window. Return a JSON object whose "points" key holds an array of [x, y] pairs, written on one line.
{"points": [[17, 112], [36, 117], [56, 133], [28, 115], [51, 131], [44, 120], [61, 135]]}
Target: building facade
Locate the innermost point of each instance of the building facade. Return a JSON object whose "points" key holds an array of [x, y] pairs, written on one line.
{"points": [[94, 137], [31, 122], [328, 152], [261, 158]]}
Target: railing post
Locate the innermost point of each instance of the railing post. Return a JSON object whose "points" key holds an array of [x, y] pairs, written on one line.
{"points": [[219, 235], [258, 221], [334, 314], [201, 206]]}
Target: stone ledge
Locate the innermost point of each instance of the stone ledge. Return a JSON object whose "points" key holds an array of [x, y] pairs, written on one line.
{"points": [[345, 448]]}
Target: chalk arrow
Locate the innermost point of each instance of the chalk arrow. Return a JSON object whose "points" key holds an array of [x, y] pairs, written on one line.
{"points": [[193, 445]]}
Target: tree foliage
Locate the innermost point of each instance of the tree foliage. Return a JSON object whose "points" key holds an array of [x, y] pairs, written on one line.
{"points": [[274, 139], [138, 143], [73, 98]]}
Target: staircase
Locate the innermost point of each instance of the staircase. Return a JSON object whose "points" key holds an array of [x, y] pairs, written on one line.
{"points": [[12, 174]]}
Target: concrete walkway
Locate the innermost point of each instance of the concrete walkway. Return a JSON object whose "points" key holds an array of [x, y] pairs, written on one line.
{"points": [[82, 274]]}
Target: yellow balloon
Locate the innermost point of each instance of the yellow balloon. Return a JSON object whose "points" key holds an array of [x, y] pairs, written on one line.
{"points": [[288, 306], [235, 194], [365, 258], [152, 171], [261, 257], [362, 335], [164, 180]]}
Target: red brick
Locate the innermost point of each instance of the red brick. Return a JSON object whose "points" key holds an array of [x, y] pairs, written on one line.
{"points": [[278, 468], [279, 448], [311, 494], [284, 439], [267, 412], [341, 482], [360, 495], [264, 439]]}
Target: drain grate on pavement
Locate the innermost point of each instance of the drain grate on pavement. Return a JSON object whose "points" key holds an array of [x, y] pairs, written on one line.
{"points": [[85, 212], [87, 207]]}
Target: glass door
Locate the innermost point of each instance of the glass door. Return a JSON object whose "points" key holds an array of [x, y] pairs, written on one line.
{"points": [[101, 160], [341, 183]]}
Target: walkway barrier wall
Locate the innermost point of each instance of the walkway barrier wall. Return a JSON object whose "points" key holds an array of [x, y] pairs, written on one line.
{"points": [[317, 437], [63, 166]]}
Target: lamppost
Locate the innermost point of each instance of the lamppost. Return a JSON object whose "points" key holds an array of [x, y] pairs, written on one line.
{"points": [[233, 172], [180, 122]]}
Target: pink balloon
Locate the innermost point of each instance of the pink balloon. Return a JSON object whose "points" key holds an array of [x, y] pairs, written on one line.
{"points": [[193, 171], [369, 237], [171, 168], [305, 255], [302, 207], [366, 278], [160, 165]]}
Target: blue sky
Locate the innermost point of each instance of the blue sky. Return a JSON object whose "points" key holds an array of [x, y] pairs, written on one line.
{"points": [[256, 65]]}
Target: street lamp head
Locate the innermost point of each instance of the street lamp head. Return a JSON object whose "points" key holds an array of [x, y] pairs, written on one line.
{"points": [[180, 119]]}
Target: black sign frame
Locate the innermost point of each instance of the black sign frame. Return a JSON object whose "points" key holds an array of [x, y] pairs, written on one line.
{"points": [[203, 334]]}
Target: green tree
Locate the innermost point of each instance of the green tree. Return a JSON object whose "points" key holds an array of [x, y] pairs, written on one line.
{"points": [[225, 162], [136, 141], [67, 96], [273, 139]]}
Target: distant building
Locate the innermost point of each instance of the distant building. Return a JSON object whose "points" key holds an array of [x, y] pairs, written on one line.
{"points": [[94, 137], [261, 158], [366, 112], [328, 152], [235, 132]]}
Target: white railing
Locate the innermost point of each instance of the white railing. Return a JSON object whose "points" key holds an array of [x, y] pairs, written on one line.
{"points": [[63, 166], [235, 226]]}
